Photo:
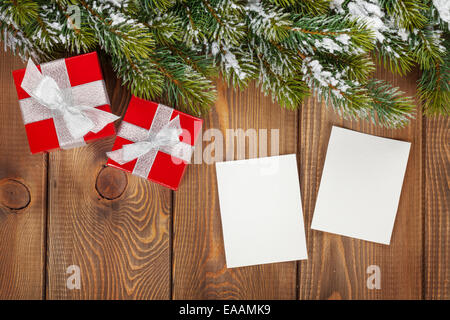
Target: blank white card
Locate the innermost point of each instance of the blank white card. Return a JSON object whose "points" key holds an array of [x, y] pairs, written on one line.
{"points": [[361, 184], [261, 210]]}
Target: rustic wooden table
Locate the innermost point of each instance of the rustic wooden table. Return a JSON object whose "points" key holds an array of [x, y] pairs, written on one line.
{"points": [[133, 239]]}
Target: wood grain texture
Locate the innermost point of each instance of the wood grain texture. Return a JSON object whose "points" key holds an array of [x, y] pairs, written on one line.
{"points": [[199, 269], [22, 198], [437, 209], [111, 183], [133, 239], [337, 265], [121, 245], [14, 194]]}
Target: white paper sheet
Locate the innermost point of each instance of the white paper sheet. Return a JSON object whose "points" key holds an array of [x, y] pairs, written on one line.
{"points": [[261, 210], [361, 185]]}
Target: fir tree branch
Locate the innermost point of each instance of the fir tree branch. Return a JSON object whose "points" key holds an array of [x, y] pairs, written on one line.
{"points": [[356, 67], [19, 42], [21, 12], [288, 90], [393, 53], [429, 49], [389, 106], [77, 39], [305, 7], [330, 34], [185, 87], [191, 34], [140, 76], [125, 39], [292, 48], [434, 88], [197, 62], [408, 12]]}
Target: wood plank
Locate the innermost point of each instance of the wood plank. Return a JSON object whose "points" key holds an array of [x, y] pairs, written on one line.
{"points": [[337, 265], [22, 197], [437, 198], [114, 226], [199, 270]]}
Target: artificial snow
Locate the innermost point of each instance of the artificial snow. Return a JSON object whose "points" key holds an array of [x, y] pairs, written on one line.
{"points": [[257, 8], [262, 18], [404, 34], [343, 38], [443, 7], [337, 5], [214, 48], [323, 77], [327, 44], [367, 11], [371, 13], [55, 25], [231, 62], [117, 18]]}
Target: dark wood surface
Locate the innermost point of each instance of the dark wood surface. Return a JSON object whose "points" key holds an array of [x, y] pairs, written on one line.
{"points": [[337, 266], [134, 239], [437, 209], [23, 194]]}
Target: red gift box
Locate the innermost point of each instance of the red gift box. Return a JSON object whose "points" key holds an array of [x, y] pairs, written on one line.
{"points": [[145, 118], [81, 75]]}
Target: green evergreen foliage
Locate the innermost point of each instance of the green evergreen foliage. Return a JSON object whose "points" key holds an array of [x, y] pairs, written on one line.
{"points": [[292, 48]]}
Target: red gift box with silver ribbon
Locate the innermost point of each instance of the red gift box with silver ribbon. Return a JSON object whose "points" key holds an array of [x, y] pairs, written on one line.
{"points": [[155, 142], [64, 103]]}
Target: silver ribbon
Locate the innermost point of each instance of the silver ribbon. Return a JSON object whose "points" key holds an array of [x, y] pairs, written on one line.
{"points": [[163, 135], [72, 108]]}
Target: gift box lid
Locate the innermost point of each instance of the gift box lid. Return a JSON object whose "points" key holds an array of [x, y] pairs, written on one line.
{"points": [[164, 168], [85, 77]]}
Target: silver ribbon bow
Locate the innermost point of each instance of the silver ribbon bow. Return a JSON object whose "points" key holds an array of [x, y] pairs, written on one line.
{"points": [[73, 116], [163, 135]]}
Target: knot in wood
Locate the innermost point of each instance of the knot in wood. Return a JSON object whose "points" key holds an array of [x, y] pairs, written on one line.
{"points": [[14, 194], [111, 183]]}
